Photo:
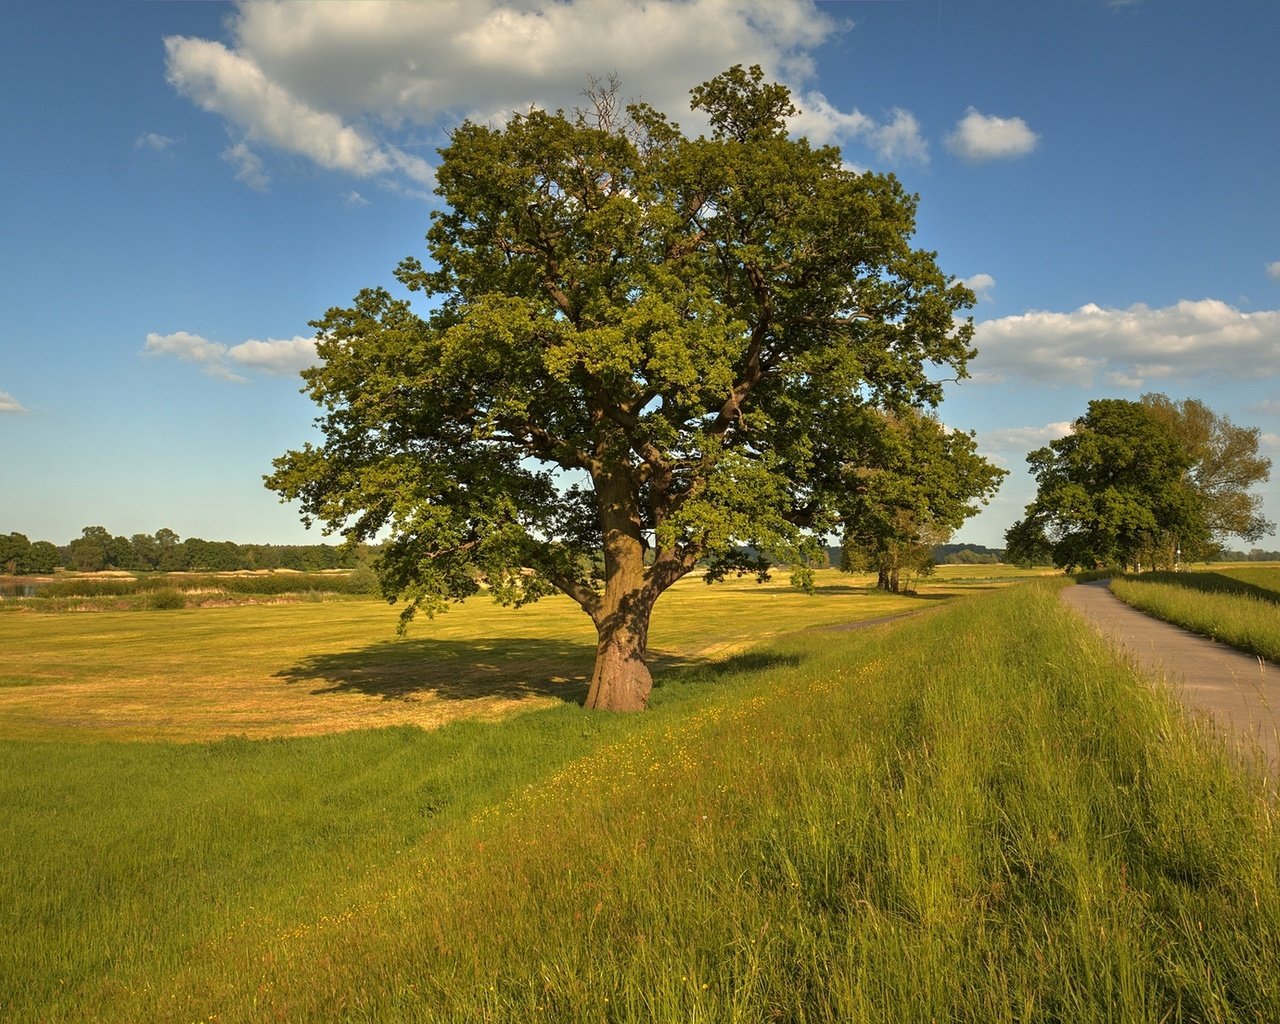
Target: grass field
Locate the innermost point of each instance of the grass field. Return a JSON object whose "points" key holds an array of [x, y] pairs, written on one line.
{"points": [[307, 668], [1238, 605], [971, 815]]}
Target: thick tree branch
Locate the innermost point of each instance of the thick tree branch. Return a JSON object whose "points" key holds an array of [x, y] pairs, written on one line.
{"points": [[541, 442], [588, 599]]}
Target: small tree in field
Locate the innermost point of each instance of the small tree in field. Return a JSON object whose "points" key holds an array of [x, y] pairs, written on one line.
{"points": [[912, 484], [643, 352]]}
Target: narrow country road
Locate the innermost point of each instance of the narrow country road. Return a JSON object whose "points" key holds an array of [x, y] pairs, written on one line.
{"points": [[1240, 691]]}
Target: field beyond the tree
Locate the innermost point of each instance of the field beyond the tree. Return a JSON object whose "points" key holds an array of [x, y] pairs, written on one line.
{"points": [[304, 666], [975, 814]]}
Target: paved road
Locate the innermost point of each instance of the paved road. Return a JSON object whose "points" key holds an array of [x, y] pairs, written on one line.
{"points": [[1240, 691]]}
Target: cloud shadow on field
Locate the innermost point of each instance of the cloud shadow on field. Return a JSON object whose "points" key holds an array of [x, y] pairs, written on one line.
{"points": [[1214, 583]]}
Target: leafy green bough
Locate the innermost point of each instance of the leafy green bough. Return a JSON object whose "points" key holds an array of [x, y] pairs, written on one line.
{"points": [[1141, 483], [645, 352]]}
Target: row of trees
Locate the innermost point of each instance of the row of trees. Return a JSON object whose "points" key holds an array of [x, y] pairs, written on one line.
{"points": [[96, 550], [1252, 555], [1142, 485]]}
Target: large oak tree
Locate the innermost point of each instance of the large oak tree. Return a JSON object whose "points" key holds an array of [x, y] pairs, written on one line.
{"points": [[641, 352]]}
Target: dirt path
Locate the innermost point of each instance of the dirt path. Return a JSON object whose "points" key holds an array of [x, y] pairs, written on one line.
{"points": [[1241, 692]]}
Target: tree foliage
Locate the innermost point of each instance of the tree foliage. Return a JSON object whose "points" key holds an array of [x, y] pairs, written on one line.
{"points": [[96, 549], [1140, 483], [913, 483], [643, 352], [1224, 464], [15, 549]]}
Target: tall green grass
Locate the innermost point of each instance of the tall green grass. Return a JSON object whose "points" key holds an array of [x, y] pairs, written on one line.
{"points": [[1242, 612], [1262, 577], [974, 815]]}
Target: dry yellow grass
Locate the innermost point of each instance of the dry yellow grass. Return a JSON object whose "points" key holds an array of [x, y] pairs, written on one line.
{"points": [[289, 670]]}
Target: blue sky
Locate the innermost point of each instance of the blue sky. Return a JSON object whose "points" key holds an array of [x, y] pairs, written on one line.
{"points": [[186, 185]]}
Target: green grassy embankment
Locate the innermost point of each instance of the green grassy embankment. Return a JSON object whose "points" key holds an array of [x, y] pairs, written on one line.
{"points": [[1238, 606], [974, 815]]}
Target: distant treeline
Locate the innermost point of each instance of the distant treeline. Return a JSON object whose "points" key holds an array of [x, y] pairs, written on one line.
{"points": [[967, 554], [948, 554], [1254, 555], [96, 550]]}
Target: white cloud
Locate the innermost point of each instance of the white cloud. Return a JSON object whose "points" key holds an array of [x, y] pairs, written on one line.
{"points": [[1269, 442], [231, 85], [980, 137], [895, 140], [10, 404], [1023, 439], [981, 286], [1129, 347], [249, 167], [1267, 407], [275, 357], [191, 348], [900, 138], [1273, 270], [153, 140], [354, 200], [355, 87]]}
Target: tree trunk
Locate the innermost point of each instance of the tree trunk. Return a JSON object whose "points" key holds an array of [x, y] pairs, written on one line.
{"points": [[621, 680]]}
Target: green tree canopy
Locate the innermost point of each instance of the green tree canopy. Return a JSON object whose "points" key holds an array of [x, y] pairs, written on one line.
{"points": [[88, 552], [42, 558], [15, 549], [1116, 491], [1224, 464], [643, 351], [913, 483]]}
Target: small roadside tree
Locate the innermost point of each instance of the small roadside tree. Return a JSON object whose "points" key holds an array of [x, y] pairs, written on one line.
{"points": [[1112, 492], [644, 352]]}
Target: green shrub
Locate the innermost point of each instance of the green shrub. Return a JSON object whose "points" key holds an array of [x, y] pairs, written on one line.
{"points": [[162, 600]]}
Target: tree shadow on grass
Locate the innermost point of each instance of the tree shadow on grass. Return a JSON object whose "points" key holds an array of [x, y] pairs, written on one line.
{"points": [[404, 670], [847, 589], [701, 670], [1211, 583], [511, 668]]}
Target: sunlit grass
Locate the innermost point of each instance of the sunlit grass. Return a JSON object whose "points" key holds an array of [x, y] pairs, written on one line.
{"points": [[305, 669], [974, 815], [1240, 607]]}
